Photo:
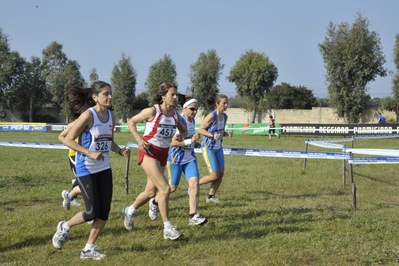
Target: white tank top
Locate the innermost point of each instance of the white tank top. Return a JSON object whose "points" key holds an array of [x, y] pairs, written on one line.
{"points": [[161, 129], [98, 138]]}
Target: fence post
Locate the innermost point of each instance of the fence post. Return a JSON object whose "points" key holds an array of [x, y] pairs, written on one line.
{"points": [[306, 149]]}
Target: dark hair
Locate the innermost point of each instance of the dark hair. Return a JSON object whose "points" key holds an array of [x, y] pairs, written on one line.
{"points": [[97, 86], [79, 100], [182, 98], [162, 90], [212, 101]]}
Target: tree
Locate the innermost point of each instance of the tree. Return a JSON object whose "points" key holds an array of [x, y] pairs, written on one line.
{"points": [[163, 70], [353, 57], [254, 75], [236, 102], [204, 78], [395, 80], [141, 101], [61, 74], [29, 89], [389, 104], [8, 67], [285, 96], [93, 75], [124, 80]]}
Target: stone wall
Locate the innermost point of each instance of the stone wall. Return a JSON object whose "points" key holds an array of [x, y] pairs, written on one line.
{"points": [[317, 115]]}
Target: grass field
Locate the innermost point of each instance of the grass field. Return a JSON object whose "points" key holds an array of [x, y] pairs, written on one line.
{"points": [[271, 211]]}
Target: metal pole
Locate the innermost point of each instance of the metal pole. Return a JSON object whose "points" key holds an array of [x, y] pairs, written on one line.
{"points": [[127, 174]]}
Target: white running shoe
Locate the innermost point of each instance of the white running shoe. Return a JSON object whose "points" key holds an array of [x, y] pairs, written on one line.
{"points": [[129, 219], [171, 233], [75, 202], [67, 202], [92, 254], [197, 219], [153, 211], [213, 199], [60, 235]]}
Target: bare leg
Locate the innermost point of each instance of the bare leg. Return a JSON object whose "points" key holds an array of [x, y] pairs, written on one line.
{"points": [[209, 178], [76, 219], [216, 184], [96, 229], [194, 194], [148, 193], [75, 192], [155, 174]]}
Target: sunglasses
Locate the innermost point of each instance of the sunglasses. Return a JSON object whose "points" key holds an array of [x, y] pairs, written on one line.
{"points": [[193, 109]]}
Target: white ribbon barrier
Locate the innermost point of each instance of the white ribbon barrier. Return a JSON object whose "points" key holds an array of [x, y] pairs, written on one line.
{"points": [[259, 152], [33, 145], [363, 151], [273, 153], [377, 160]]}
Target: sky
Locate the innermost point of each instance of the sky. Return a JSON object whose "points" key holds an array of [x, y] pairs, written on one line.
{"points": [[95, 33]]}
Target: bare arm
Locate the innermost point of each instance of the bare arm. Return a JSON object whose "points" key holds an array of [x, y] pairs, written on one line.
{"points": [[82, 123], [144, 115], [65, 132], [206, 123], [115, 147]]}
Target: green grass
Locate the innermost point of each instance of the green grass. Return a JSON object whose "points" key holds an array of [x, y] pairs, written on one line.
{"points": [[271, 210]]}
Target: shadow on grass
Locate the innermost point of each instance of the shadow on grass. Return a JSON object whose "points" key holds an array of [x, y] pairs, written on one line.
{"points": [[373, 179]]}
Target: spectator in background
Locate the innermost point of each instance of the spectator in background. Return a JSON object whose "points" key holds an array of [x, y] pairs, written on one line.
{"points": [[381, 119], [272, 128]]}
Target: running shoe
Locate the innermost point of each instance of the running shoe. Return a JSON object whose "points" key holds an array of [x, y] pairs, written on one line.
{"points": [[67, 202], [213, 199], [153, 211], [129, 219], [197, 219], [60, 235], [75, 202], [92, 254], [171, 233]]}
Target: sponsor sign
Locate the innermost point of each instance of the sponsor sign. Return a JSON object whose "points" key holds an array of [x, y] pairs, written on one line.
{"points": [[339, 129], [32, 127]]}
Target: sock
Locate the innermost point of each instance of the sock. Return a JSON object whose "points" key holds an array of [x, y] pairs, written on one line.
{"points": [[131, 210], [154, 202], [192, 215], [210, 196], [88, 247], [167, 224], [69, 196], [66, 227]]}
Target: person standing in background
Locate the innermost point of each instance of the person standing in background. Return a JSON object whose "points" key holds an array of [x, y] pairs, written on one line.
{"points": [[381, 119], [272, 127]]}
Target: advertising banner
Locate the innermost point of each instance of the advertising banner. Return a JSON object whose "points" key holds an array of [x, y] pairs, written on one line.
{"points": [[339, 129], [247, 129], [22, 126]]}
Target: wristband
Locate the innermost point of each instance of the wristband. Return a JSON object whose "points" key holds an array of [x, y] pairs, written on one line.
{"points": [[120, 152], [187, 142]]}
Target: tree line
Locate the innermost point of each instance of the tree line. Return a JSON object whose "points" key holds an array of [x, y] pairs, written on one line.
{"points": [[352, 55]]}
